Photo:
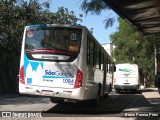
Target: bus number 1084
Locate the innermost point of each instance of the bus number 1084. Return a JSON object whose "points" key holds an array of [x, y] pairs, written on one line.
{"points": [[67, 80]]}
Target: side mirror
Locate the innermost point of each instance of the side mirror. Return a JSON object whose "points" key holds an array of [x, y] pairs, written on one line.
{"points": [[114, 68]]}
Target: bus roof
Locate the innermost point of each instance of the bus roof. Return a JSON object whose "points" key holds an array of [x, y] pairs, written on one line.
{"points": [[54, 25]]}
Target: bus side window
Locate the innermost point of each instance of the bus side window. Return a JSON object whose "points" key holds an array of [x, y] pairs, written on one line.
{"points": [[109, 61], [90, 52], [97, 58], [113, 67], [107, 65], [102, 60]]}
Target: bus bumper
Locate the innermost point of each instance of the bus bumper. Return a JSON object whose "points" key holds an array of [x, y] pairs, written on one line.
{"points": [[126, 87], [52, 92]]}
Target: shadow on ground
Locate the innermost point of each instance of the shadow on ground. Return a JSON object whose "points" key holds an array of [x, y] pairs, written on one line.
{"points": [[23, 100], [114, 105], [140, 91]]}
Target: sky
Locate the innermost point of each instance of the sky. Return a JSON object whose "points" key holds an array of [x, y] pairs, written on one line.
{"points": [[90, 21]]}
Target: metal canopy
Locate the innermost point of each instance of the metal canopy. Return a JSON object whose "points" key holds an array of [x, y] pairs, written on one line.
{"points": [[144, 14]]}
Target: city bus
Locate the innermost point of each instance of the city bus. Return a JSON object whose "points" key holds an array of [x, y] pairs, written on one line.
{"points": [[126, 77], [64, 62]]}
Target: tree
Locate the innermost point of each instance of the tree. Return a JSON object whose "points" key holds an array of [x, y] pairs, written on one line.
{"points": [[14, 16], [62, 16], [96, 7], [134, 47]]}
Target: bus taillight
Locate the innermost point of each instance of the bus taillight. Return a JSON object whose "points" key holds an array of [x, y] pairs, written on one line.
{"points": [[21, 77], [79, 77]]}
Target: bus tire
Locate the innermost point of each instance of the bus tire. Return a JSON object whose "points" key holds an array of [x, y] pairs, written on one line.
{"points": [[96, 101], [110, 90], [56, 100]]}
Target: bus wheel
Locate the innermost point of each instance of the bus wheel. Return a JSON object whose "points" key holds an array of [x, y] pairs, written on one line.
{"points": [[110, 90], [98, 97], [56, 100]]}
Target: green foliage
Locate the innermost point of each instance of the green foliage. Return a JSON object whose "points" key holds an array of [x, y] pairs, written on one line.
{"points": [[134, 47], [93, 6], [14, 16], [96, 7], [62, 16]]}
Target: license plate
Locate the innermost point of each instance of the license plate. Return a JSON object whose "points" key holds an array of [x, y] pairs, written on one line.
{"points": [[44, 92]]}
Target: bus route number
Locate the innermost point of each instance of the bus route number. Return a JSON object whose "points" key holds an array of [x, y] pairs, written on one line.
{"points": [[70, 81]]}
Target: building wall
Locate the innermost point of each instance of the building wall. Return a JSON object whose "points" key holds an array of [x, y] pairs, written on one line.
{"points": [[109, 47]]}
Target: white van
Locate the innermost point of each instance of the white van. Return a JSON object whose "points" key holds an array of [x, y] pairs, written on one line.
{"points": [[126, 77]]}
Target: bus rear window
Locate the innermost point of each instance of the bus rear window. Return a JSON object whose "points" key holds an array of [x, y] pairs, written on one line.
{"points": [[59, 40]]}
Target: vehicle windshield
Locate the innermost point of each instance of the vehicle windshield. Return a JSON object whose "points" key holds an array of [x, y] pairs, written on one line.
{"points": [[58, 38]]}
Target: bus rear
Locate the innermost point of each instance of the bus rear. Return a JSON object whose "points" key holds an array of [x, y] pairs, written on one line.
{"points": [[126, 77], [49, 63]]}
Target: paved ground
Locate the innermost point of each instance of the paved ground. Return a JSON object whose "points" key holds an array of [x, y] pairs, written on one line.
{"points": [[8, 95], [149, 95]]}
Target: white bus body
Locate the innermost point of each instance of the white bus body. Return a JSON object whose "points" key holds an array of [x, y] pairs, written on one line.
{"points": [[56, 61], [126, 77]]}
